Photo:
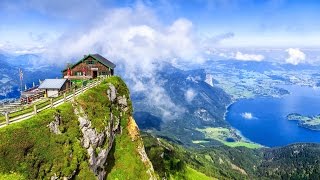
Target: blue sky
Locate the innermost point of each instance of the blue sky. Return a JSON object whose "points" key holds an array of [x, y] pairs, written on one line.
{"points": [[35, 25]]}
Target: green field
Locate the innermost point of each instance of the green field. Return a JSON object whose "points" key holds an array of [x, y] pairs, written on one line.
{"points": [[193, 174], [222, 134]]}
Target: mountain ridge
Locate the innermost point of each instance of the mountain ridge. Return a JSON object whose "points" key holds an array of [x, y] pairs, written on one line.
{"points": [[76, 139]]}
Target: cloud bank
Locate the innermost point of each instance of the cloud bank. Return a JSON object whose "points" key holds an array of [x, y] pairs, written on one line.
{"points": [[135, 39], [295, 56], [248, 57], [134, 36]]}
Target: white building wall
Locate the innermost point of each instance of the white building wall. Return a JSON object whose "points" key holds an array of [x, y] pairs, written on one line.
{"points": [[52, 93]]}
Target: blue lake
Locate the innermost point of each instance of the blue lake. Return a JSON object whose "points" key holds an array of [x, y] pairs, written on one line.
{"points": [[263, 120]]}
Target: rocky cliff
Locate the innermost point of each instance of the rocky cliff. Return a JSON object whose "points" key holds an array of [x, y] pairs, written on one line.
{"points": [[94, 137]]}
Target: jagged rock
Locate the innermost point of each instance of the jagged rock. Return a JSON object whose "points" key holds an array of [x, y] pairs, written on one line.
{"points": [[54, 125], [92, 140], [92, 159], [122, 101], [90, 135], [112, 92], [54, 177], [98, 144]]}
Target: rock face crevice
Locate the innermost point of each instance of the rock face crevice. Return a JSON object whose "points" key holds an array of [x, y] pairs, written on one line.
{"points": [[98, 141], [99, 144]]}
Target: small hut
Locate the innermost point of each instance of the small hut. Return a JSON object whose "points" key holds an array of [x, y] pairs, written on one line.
{"points": [[53, 87]]}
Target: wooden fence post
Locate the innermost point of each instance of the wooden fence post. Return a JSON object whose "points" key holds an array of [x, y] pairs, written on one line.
{"points": [[64, 97], [7, 117], [82, 88], [74, 94], [51, 102], [35, 109]]}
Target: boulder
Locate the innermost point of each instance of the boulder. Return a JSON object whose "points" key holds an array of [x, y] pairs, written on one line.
{"points": [[54, 125]]}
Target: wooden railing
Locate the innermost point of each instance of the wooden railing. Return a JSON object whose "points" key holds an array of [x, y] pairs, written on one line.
{"points": [[22, 112]]}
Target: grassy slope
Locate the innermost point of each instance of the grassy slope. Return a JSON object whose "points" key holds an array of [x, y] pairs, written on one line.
{"points": [[221, 134], [29, 150], [124, 162], [96, 105], [11, 176], [171, 160], [125, 158], [193, 174]]}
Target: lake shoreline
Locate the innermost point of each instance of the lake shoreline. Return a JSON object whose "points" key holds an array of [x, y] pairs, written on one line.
{"points": [[273, 123]]}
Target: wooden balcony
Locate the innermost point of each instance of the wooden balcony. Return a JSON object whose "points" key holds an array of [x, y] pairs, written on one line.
{"points": [[77, 77]]}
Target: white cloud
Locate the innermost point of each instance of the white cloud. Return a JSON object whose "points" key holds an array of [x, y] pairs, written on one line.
{"points": [[296, 56], [248, 57], [137, 39], [247, 115], [189, 95], [133, 35], [158, 98], [11, 48]]}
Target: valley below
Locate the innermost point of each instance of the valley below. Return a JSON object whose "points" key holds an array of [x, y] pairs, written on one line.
{"points": [[235, 104]]}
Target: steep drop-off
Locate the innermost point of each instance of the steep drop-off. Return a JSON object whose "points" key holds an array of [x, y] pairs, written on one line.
{"points": [[296, 161], [93, 137]]}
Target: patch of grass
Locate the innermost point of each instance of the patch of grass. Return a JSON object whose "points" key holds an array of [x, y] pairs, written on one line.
{"points": [[167, 160], [11, 176], [193, 174], [127, 161], [30, 149], [96, 106], [223, 134], [26, 109], [242, 143]]}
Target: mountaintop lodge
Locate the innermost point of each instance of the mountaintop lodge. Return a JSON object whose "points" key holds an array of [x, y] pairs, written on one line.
{"points": [[89, 67]]}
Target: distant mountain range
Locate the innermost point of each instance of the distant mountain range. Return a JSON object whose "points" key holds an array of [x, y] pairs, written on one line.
{"points": [[206, 108], [32, 72]]}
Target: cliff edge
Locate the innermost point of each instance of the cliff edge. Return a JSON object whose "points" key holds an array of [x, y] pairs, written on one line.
{"points": [[93, 137]]}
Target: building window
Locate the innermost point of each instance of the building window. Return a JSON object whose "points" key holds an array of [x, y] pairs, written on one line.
{"points": [[102, 73], [90, 62], [79, 73]]}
